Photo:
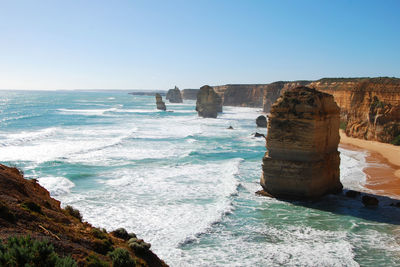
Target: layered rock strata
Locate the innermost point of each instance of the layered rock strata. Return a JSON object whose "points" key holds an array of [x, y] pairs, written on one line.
{"points": [[190, 94], [208, 102], [174, 95], [302, 160], [272, 92], [369, 107], [160, 103]]}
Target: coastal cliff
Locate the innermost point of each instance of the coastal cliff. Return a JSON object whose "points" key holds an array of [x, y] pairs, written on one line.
{"points": [[369, 107], [190, 94], [26, 208], [246, 95], [302, 160]]}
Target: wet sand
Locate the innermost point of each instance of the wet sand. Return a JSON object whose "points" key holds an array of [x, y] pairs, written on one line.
{"points": [[383, 171]]}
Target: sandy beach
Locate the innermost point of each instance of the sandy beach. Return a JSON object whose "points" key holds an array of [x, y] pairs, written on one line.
{"points": [[383, 171]]}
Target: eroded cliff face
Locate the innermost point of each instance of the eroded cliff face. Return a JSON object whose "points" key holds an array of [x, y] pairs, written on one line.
{"points": [[190, 94], [369, 107], [245, 95], [302, 160]]}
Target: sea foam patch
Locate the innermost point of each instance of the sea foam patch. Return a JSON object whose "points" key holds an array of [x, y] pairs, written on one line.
{"points": [[57, 186]]}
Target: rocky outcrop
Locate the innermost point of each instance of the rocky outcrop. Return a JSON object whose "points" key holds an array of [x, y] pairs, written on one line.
{"points": [[302, 160], [273, 91], [190, 94], [261, 121], [369, 107], [160, 103], [26, 208], [208, 102], [174, 95]]}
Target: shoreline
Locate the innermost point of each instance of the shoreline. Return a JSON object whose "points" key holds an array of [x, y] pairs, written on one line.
{"points": [[383, 170]]}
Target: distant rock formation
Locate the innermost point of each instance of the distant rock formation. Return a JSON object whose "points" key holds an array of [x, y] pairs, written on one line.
{"points": [[261, 121], [302, 160], [160, 103], [208, 102], [174, 95], [190, 94], [242, 95]]}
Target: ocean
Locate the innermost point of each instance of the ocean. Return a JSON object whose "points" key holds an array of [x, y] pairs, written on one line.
{"points": [[186, 184]]}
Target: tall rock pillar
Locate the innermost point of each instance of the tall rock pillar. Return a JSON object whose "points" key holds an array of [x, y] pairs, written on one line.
{"points": [[302, 160], [208, 103], [160, 103]]}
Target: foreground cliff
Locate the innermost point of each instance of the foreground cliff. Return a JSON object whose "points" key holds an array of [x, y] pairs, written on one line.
{"points": [[302, 160], [26, 208]]}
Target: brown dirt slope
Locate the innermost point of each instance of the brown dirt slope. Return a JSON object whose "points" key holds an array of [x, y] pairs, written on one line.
{"points": [[26, 208]]}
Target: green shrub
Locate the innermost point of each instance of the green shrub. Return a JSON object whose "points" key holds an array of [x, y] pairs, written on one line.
{"points": [[102, 246], [6, 214], [32, 206], [96, 232], [123, 234], [24, 251], [94, 261], [121, 258], [343, 125], [396, 141], [73, 212]]}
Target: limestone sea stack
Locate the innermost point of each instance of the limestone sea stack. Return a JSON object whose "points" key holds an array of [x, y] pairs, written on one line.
{"points": [[208, 103], [302, 160], [174, 95], [160, 103]]}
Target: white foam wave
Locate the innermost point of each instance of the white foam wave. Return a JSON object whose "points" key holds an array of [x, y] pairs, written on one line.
{"points": [[26, 137], [185, 200], [57, 186], [352, 164], [86, 112]]}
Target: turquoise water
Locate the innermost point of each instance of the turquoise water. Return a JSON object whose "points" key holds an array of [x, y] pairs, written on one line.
{"points": [[186, 184]]}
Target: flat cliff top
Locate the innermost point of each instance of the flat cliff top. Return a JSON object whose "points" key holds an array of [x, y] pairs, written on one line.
{"points": [[304, 102], [26, 208]]}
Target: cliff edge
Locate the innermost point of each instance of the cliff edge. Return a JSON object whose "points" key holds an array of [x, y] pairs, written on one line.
{"points": [[26, 208]]}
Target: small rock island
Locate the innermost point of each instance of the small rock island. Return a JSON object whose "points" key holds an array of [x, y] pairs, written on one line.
{"points": [[174, 95], [302, 160], [160, 103]]}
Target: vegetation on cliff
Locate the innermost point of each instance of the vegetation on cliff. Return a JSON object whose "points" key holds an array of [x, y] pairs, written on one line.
{"points": [[26, 209]]}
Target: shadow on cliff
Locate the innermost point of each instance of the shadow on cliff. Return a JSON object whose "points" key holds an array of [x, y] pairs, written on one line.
{"points": [[385, 212]]}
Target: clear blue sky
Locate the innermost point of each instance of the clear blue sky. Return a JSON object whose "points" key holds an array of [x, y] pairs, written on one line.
{"points": [[143, 44]]}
